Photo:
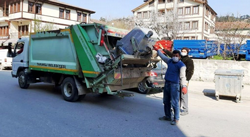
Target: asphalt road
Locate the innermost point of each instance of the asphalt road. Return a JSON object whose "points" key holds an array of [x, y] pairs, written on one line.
{"points": [[40, 111]]}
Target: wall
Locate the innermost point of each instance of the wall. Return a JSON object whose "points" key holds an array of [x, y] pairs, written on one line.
{"points": [[204, 69]]}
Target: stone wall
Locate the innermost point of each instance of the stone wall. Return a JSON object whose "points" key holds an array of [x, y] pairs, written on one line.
{"points": [[204, 69]]}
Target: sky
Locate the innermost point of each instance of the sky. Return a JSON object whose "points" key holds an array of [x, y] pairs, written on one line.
{"points": [[111, 9]]}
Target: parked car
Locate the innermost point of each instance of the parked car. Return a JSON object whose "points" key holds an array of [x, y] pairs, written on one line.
{"points": [[156, 79], [5, 61]]}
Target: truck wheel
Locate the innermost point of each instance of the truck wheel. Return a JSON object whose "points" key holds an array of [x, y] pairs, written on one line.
{"points": [[69, 90], [142, 87], [23, 80]]}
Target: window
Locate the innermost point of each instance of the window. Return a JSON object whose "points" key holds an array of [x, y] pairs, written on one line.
{"points": [[178, 38], [213, 17], [181, 0], [180, 11], [79, 15], [180, 26], [170, 1], [23, 30], [61, 14], [18, 7], [207, 12], [193, 38], [30, 7], [7, 11], [145, 14], [187, 10], [84, 17], [206, 38], [139, 15], [68, 14], [196, 10], [187, 25], [212, 30], [161, 1], [186, 38], [14, 7], [206, 26], [195, 25], [4, 31], [38, 8]]}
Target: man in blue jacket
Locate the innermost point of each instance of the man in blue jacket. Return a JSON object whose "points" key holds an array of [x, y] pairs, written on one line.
{"points": [[174, 77]]}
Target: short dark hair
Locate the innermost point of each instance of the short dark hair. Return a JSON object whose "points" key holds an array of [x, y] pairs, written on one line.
{"points": [[177, 52], [185, 48]]}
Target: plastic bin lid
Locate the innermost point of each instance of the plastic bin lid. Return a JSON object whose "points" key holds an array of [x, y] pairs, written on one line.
{"points": [[229, 72]]}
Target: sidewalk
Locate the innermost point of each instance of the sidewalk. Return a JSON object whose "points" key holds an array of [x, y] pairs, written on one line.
{"points": [[208, 88]]}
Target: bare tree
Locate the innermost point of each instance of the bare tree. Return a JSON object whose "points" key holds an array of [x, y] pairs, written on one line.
{"points": [[165, 24], [230, 33], [39, 26]]}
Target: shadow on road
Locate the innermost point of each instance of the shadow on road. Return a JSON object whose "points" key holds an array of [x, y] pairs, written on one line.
{"points": [[211, 94]]}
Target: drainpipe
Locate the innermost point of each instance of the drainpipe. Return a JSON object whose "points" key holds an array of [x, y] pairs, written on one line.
{"points": [[22, 8]]}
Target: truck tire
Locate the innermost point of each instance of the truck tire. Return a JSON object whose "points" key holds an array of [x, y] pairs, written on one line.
{"points": [[23, 80], [69, 90]]}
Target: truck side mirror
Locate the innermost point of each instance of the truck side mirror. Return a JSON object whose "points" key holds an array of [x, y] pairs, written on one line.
{"points": [[10, 53]]}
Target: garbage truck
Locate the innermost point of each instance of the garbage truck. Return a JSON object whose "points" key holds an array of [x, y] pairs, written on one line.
{"points": [[84, 58]]}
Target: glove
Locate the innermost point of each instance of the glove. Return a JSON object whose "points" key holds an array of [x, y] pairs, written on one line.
{"points": [[184, 90]]}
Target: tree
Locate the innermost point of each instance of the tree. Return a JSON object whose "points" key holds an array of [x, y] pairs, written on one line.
{"points": [[164, 24], [231, 34], [39, 26]]}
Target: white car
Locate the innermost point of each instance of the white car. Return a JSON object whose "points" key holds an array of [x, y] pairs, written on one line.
{"points": [[5, 61]]}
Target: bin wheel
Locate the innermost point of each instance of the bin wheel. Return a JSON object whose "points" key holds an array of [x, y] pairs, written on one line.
{"points": [[238, 99], [217, 97], [69, 90]]}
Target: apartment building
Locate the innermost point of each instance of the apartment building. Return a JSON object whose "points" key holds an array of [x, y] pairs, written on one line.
{"points": [[20, 17], [196, 19]]}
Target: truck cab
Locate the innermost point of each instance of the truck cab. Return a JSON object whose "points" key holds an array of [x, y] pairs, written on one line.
{"points": [[20, 56]]}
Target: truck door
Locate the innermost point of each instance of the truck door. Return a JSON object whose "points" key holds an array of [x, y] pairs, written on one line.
{"points": [[18, 61]]}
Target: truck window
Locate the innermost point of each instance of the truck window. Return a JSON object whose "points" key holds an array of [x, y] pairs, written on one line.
{"points": [[19, 47]]}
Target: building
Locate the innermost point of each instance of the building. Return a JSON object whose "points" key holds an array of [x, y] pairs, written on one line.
{"points": [[195, 17], [20, 17]]}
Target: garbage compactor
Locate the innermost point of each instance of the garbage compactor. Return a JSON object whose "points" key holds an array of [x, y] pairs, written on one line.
{"points": [[85, 58]]}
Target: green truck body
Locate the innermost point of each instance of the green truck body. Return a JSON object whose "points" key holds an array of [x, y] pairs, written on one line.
{"points": [[81, 59]]}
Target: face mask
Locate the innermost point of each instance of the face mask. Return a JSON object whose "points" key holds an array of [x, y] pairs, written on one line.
{"points": [[175, 59], [183, 54]]}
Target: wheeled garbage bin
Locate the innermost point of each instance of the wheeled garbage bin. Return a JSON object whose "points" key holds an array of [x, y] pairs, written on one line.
{"points": [[229, 83]]}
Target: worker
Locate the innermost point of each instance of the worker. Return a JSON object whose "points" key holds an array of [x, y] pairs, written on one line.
{"points": [[189, 73], [174, 76], [21, 48]]}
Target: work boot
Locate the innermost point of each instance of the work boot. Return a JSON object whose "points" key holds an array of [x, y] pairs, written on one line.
{"points": [[174, 122], [164, 118]]}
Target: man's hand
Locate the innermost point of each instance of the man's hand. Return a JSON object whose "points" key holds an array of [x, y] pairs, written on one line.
{"points": [[184, 90]]}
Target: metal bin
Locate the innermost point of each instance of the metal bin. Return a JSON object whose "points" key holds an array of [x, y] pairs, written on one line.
{"points": [[229, 83]]}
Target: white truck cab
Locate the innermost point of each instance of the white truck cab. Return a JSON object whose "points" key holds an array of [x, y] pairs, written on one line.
{"points": [[20, 56]]}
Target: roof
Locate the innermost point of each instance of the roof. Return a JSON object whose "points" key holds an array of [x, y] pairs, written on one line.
{"points": [[143, 5], [59, 3], [232, 25]]}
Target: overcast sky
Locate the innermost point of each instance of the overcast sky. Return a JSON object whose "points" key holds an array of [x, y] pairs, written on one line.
{"points": [[122, 8]]}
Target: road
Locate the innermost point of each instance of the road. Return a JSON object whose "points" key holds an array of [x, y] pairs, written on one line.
{"points": [[40, 111]]}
